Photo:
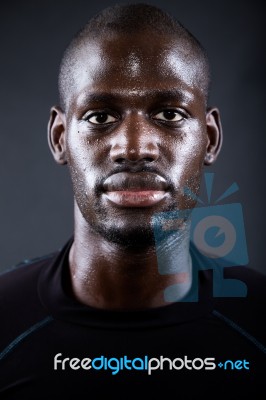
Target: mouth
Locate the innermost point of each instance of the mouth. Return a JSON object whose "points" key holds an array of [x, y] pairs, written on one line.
{"points": [[142, 189]]}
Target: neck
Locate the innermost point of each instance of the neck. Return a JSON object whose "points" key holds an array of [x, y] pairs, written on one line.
{"points": [[108, 275]]}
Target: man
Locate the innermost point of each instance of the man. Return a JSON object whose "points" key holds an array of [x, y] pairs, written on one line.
{"points": [[103, 316]]}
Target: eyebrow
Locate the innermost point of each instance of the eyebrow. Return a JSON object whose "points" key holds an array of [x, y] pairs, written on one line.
{"points": [[154, 94]]}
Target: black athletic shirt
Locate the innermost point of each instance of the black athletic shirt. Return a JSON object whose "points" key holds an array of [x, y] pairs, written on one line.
{"points": [[213, 348]]}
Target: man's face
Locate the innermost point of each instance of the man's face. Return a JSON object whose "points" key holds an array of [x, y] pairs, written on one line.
{"points": [[135, 133]]}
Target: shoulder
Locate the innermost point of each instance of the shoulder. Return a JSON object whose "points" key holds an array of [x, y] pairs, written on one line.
{"points": [[245, 312], [24, 274], [20, 305]]}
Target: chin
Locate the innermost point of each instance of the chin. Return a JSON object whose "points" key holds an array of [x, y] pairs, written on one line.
{"points": [[130, 227], [129, 237]]}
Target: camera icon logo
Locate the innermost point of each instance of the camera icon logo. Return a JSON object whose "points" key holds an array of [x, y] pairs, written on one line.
{"points": [[218, 234]]}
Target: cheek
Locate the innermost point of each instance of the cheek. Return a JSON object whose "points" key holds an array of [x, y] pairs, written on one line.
{"points": [[189, 154], [81, 160]]}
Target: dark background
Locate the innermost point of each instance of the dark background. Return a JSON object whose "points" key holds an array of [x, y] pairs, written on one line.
{"points": [[36, 206]]}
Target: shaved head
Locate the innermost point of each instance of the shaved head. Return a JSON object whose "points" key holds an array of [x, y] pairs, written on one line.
{"points": [[129, 20]]}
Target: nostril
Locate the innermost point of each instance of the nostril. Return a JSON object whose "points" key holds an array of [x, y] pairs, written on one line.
{"points": [[120, 160], [148, 159], [134, 153]]}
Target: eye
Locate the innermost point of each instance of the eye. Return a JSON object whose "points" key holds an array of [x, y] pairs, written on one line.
{"points": [[169, 115], [99, 118]]}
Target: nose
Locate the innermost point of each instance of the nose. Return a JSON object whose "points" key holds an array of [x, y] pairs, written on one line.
{"points": [[135, 140]]}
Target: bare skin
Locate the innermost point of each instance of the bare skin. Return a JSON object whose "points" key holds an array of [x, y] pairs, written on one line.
{"points": [[135, 132]]}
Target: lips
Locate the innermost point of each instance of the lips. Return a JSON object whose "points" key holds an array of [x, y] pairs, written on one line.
{"points": [[142, 189]]}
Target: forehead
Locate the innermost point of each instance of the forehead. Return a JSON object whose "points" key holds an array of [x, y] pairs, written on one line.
{"points": [[135, 63]]}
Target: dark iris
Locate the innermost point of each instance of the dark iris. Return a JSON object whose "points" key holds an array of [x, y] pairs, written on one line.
{"points": [[101, 118], [169, 114]]}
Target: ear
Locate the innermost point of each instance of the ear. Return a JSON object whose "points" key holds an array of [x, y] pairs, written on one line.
{"points": [[56, 135], [215, 135]]}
